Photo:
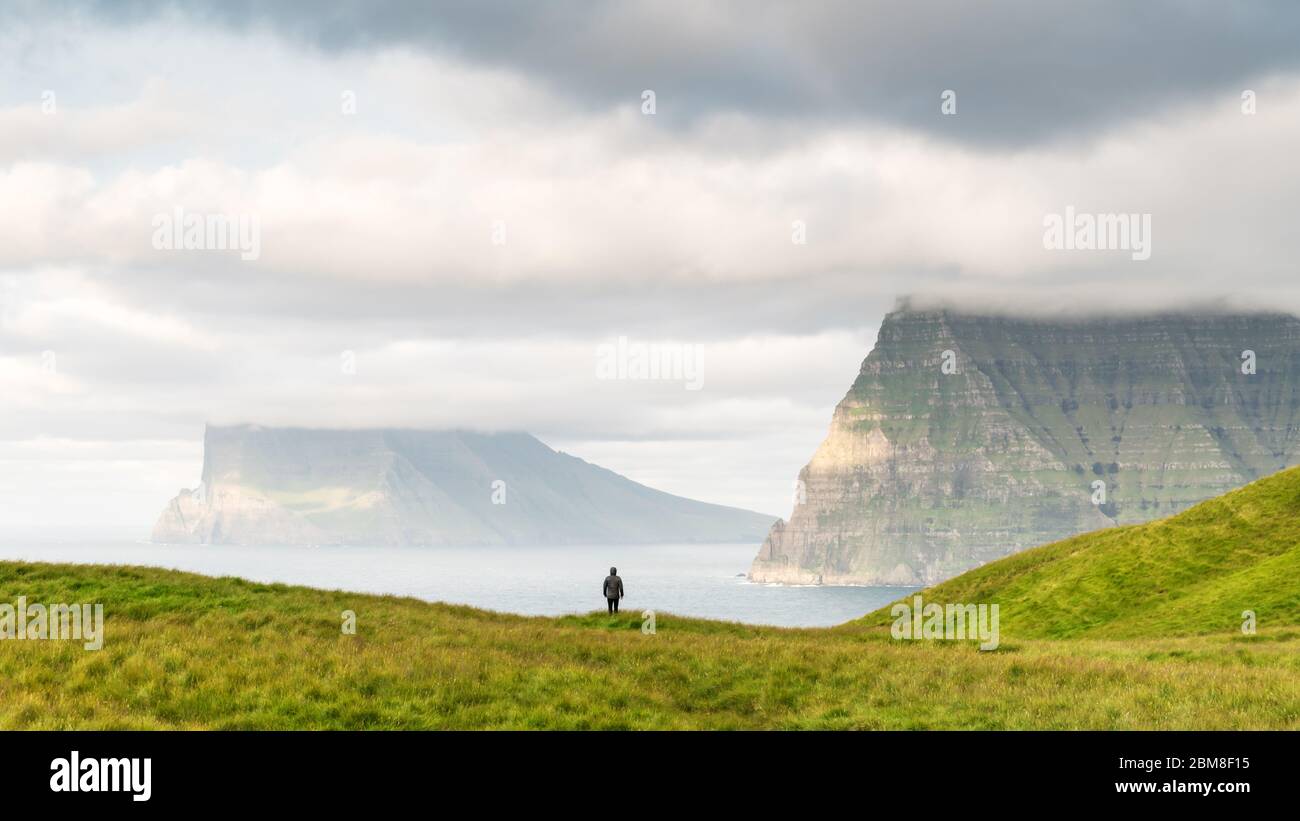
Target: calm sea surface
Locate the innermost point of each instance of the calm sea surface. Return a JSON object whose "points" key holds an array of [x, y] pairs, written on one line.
{"points": [[693, 580]]}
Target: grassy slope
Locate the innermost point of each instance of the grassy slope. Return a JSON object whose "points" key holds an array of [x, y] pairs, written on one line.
{"points": [[185, 651], [1128, 628], [1190, 574]]}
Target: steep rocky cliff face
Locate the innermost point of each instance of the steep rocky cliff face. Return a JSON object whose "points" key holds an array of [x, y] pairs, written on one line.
{"points": [[925, 474], [278, 486]]}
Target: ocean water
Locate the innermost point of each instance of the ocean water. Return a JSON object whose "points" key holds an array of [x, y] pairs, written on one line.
{"points": [[693, 580]]}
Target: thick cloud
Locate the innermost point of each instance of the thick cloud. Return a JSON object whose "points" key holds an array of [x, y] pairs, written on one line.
{"points": [[1024, 70], [376, 227]]}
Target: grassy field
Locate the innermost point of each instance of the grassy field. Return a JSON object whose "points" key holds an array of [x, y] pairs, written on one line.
{"points": [[1131, 628], [190, 652]]}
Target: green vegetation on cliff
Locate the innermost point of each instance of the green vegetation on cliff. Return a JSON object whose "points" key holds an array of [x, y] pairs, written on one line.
{"points": [[966, 438]]}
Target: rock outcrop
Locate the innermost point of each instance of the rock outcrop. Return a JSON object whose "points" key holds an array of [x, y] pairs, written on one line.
{"points": [[280, 486], [966, 438]]}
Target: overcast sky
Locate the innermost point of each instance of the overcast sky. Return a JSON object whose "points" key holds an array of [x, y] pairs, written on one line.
{"points": [[465, 203]]}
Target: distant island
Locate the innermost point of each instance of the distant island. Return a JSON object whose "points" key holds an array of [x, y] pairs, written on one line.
{"points": [[300, 486]]}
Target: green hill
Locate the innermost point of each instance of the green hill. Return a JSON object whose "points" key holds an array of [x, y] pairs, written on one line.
{"points": [[184, 651], [1133, 628], [1190, 574]]}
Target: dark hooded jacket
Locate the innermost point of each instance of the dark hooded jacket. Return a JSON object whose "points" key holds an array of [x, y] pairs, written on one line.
{"points": [[613, 585]]}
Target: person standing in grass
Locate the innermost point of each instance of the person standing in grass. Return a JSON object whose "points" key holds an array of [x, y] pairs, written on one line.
{"points": [[613, 589]]}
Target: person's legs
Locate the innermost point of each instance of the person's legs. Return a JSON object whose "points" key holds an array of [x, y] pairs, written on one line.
{"points": [[611, 603], [615, 601]]}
